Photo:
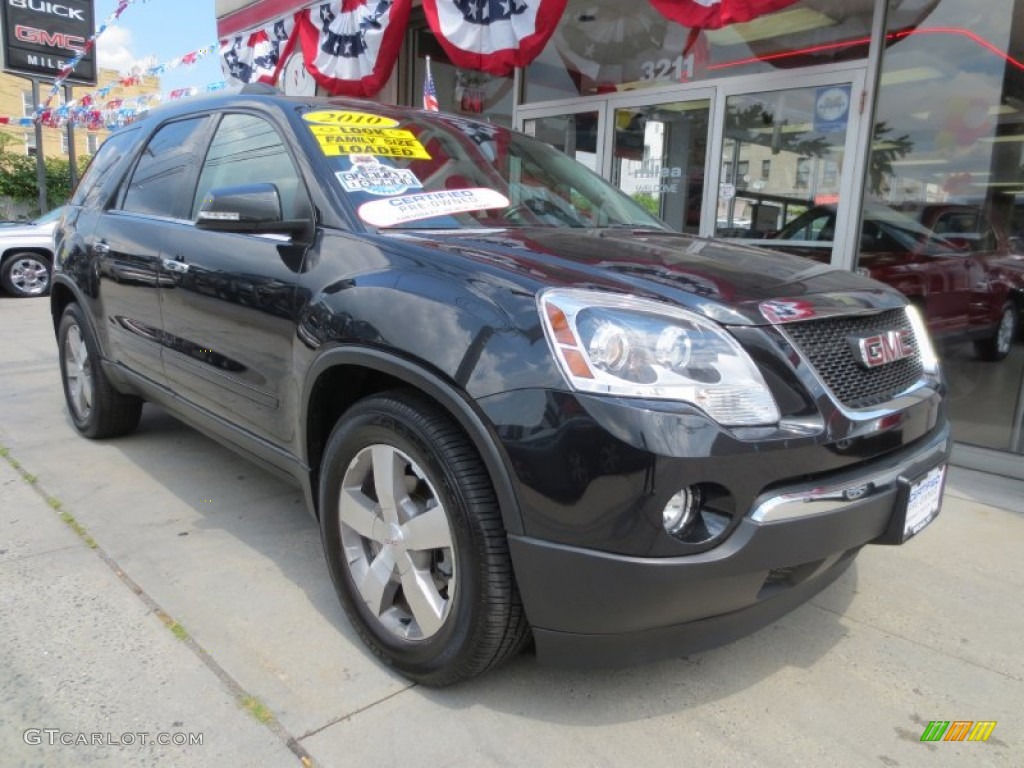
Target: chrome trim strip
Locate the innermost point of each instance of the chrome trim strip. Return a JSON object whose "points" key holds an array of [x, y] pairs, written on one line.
{"points": [[838, 495]]}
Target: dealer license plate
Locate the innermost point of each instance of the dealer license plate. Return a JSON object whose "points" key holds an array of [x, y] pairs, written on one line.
{"points": [[923, 501]]}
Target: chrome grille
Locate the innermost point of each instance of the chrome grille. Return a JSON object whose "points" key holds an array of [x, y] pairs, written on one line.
{"points": [[825, 345]]}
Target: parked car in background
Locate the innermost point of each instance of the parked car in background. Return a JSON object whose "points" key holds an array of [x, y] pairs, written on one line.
{"points": [[518, 405], [949, 260], [26, 255]]}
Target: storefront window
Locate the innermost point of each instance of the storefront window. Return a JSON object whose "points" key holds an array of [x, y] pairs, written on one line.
{"points": [[466, 92], [944, 212], [607, 46]]}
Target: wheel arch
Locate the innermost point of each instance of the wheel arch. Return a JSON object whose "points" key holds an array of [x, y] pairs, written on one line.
{"points": [[61, 294], [342, 376], [36, 250]]}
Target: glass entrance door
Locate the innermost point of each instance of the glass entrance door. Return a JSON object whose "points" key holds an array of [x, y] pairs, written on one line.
{"points": [[658, 156], [577, 134], [784, 166]]}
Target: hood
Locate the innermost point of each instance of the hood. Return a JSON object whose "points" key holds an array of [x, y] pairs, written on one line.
{"points": [[25, 232], [723, 281]]}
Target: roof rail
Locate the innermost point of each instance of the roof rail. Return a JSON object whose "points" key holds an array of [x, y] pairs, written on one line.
{"points": [[259, 88]]}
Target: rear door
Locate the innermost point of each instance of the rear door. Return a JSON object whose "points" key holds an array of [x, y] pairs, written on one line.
{"points": [[128, 241], [229, 299]]}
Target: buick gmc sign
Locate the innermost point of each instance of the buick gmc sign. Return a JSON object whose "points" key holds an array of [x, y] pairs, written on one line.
{"points": [[40, 36]]}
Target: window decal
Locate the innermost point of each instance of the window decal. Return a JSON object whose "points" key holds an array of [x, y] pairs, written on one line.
{"points": [[337, 140], [426, 205], [369, 175], [335, 117]]}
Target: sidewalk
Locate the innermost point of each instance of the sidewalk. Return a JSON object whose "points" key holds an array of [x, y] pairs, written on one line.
{"points": [[84, 655]]}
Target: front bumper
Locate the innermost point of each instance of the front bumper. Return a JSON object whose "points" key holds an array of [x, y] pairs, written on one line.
{"points": [[593, 608]]}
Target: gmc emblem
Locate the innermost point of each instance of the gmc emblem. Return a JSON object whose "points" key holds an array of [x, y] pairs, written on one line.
{"points": [[888, 347]]}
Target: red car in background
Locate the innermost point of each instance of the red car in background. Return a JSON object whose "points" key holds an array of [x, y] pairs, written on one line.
{"points": [[949, 260]]}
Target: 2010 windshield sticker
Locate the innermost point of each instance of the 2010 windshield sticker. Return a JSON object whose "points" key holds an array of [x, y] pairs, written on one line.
{"points": [[367, 174], [338, 140], [336, 117], [399, 210]]}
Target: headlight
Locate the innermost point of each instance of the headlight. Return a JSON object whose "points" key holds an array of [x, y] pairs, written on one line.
{"points": [[929, 360], [623, 345]]}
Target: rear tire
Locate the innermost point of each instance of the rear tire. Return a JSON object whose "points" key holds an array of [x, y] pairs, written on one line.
{"points": [[97, 409], [414, 541], [998, 345]]}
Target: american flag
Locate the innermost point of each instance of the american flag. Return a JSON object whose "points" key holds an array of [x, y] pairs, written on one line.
{"points": [[429, 91]]}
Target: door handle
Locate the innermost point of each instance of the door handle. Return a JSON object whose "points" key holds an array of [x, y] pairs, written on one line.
{"points": [[101, 248], [175, 266]]}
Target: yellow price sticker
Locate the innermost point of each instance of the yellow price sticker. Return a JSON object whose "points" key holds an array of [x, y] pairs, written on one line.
{"points": [[338, 117], [337, 140]]}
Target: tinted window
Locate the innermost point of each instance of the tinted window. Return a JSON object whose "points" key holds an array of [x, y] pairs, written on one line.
{"points": [[247, 150], [162, 182], [103, 162]]}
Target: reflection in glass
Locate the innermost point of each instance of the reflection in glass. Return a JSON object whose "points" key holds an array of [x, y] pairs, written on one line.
{"points": [[659, 158], [607, 46], [459, 91], [781, 156], [948, 153], [574, 134]]}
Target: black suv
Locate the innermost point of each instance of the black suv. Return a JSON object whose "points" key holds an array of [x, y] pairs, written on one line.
{"points": [[518, 405]]}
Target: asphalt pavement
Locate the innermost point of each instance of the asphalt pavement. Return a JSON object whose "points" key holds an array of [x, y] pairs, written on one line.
{"points": [[163, 602]]}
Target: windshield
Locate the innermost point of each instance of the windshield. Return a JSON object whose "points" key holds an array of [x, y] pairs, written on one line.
{"points": [[53, 215], [433, 172], [883, 230]]}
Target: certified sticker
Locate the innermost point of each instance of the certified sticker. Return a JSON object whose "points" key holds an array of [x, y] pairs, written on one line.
{"points": [[398, 210], [337, 117], [367, 174], [337, 140]]}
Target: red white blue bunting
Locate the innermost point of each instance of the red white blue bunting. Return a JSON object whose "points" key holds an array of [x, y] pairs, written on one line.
{"points": [[493, 36], [715, 14], [350, 46], [257, 55]]}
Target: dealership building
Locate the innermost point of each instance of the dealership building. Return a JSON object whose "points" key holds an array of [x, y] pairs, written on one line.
{"points": [[860, 132]]}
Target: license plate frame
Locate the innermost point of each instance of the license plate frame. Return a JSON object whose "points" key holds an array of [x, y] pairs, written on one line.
{"points": [[918, 503]]}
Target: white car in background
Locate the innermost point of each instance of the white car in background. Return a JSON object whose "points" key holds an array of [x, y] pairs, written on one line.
{"points": [[26, 255]]}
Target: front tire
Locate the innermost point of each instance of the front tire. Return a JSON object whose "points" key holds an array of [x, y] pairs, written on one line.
{"points": [[26, 275], [97, 409], [997, 346], [414, 541]]}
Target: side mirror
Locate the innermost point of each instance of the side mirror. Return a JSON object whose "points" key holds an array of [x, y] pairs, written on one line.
{"points": [[248, 208]]}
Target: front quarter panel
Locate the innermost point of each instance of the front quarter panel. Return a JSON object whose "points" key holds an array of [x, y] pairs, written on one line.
{"points": [[475, 327]]}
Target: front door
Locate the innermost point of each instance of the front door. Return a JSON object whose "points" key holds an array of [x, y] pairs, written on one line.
{"points": [[228, 299]]}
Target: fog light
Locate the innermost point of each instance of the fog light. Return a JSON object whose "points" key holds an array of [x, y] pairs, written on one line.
{"points": [[681, 510]]}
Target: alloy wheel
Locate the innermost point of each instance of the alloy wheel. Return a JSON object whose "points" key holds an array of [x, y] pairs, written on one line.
{"points": [[29, 276], [78, 369], [1004, 336], [397, 542]]}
